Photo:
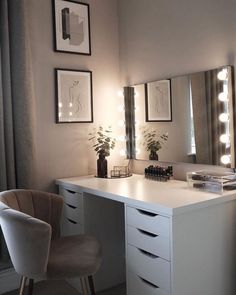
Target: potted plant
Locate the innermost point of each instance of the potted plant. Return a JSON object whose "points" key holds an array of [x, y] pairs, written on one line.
{"points": [[153, 142], [102, 144]]}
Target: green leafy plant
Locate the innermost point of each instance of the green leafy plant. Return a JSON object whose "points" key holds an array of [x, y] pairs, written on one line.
{"points": [[152, 140], [102, 140]]}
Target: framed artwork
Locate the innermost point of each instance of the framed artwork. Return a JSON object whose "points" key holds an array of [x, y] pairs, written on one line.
{"points": [[71, 27], [158, 101], [74, 96]]}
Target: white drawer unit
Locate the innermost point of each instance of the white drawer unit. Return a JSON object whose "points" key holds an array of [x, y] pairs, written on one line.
{"points": [[69, 227], [71, 198], [137, 285], [149, 266], [157, 245], [148, 221], [73, 213]]}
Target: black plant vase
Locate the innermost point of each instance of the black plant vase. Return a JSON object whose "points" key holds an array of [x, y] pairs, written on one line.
{"points": [[102, 166], [153, 156]]}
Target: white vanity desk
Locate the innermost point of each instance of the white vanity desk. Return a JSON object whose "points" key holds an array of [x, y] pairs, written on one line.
{"points": [[178, 241]]}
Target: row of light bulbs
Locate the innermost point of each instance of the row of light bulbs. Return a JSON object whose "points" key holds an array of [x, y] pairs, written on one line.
{"points": [[224, 117]]}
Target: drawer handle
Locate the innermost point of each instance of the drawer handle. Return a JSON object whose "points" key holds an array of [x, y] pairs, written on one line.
{"points": [[71, 221], [147, 233], [69, 191], [147, 213], [148, 254], [72, 207], [149, 283]]}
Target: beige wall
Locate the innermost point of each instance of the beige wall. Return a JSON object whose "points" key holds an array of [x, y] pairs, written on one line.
{"points": [[63, 149], [160, 39]]}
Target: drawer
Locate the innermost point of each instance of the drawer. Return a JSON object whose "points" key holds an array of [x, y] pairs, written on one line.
{"points": [[137, 285], [150, 242], [75, 214], [148, 266], [70, 228], [71, 198], [148, 221]]}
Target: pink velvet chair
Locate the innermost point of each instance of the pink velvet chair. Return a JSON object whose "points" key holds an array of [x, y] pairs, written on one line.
{"points": [[30, 221]]}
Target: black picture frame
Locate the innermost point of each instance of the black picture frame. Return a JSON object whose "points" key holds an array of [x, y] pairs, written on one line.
{"points": [[73, 96], [69, 34], [158, 101]]}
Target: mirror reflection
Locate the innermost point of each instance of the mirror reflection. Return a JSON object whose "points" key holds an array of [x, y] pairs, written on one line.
{"points": [[186, 119]]}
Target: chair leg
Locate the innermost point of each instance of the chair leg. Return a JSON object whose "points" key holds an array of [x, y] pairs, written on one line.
{"points": [[22, 285], [84, 286], [31, 287], [91, 285]]}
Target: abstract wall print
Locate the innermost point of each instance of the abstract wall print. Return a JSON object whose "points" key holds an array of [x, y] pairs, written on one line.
{"points": [[158, 101], [71, 26], [74, 97]]}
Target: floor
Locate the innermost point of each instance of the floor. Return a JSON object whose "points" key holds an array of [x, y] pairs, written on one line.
{"points": [[63, 288]]}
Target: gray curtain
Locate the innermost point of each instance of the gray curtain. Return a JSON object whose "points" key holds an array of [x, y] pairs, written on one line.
{"points": [[17, 144], [17, 111]]}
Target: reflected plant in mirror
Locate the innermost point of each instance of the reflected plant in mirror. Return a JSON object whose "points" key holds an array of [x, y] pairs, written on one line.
{"points": [[153, 142]]}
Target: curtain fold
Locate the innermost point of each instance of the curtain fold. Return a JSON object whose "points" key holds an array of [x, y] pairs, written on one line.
{"points": [[17, 110], [17, 116]]}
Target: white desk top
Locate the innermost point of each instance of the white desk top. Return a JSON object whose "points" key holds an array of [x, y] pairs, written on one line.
{"points": [[169, 198]]}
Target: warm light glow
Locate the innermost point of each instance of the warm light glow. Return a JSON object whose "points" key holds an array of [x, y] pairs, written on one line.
{"points": [[70, 104], [70, 113], [121, 123], [60, 105], [60, 115], [122, 138], [224, 138], [223, 75], [122, 152], [120, 93], [224, 117], [121, 108], [136, 108], [137, 122], [223, 96], [225, 159]]}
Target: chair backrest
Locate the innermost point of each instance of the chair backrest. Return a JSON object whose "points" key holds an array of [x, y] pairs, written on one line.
{"points": [[41, 205]]}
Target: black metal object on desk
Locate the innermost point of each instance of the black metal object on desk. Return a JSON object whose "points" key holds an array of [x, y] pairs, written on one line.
{"points": [[158, 173]]}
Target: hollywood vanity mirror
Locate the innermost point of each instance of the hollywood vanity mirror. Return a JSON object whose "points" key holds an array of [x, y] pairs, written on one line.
{"points": [[191, 116]]}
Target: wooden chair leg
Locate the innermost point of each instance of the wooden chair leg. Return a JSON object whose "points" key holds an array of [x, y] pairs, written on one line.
{"points": [[22, 285], [31, 287], [84, 286], [91, 285]]}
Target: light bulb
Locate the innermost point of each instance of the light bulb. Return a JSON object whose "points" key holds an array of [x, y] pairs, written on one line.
{"points": [[225, 159], [120, 93], [121, 108], [223, 75], [224, 138], [121, 123], [223, 96], [60, 105], [136, 108], [122, 152], [224, 117], [137, 123], [122, 138]]}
